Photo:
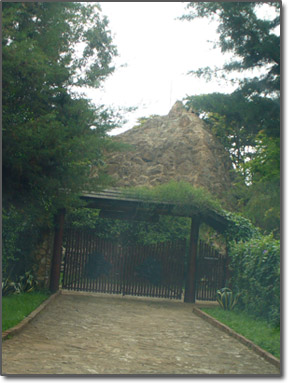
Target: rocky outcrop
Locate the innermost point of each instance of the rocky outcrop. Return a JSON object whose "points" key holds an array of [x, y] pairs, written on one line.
{"points": [[174, 147]]}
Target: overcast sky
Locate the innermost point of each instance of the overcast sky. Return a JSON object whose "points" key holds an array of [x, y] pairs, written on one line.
{"points": [[155, 53]]}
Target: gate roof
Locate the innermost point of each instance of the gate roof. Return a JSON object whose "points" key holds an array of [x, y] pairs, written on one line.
{"points": [[114, 204]]}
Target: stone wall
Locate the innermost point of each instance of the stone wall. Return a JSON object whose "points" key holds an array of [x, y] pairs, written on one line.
{"points": [[43, 259]]}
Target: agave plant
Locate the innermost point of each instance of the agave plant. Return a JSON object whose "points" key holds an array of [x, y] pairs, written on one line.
{"points": [[226, 298], [27, 282], [9, 287]]}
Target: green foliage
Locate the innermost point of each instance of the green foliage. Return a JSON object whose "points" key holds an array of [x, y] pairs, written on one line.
{"points": [[9, 287], [247, 122], [263, 203], [52, 136], [16, 307], [263, 207], [142, 120], [189, 199], [239, 228], [251, 39], [255, 270], [53, 32], [249, 130], [20, 235], [10, 233], [250, 133], [257, 330], [26, 284], [168, 228], [237, 121], [265, 166], [226, 299], [185, 196], [127, 232]]}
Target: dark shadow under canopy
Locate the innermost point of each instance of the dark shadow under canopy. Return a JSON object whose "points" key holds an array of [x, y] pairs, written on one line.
{"points": [[112, 203]]}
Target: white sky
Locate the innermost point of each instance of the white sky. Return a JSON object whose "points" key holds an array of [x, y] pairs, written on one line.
{"points": [[157, 51]]}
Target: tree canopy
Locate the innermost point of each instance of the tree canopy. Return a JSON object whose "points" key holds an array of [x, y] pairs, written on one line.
{"points": [[247, 121], [253, 41], [237, 121], [52, 136]]}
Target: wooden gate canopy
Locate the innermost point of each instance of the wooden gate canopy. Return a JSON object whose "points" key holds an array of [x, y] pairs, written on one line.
{"points": [[114, 204]]}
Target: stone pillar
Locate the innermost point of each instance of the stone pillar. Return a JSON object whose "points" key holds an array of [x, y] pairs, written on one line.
{"points": [[190, 288], [42, 259]]}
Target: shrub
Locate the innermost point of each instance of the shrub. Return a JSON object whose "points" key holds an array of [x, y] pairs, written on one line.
{"points": [[226, 299], [239, 228], [255, 269], [26, 284], [9, 287], [10, 234], [185, 197], [20, 234]]}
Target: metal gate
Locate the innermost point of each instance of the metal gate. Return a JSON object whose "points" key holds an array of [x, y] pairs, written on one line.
{"points": [[211, 272], [98, 265]]}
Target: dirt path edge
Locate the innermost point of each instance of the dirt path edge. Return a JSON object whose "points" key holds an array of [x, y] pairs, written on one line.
{"points": [[19, 327], [265, 354]]}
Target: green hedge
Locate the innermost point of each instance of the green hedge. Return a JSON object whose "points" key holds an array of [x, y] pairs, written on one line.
{"points": [[20, 235], [255, 270]]}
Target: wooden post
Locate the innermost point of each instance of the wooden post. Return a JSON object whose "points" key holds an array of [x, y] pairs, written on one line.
{"points": [[190, 288], [57, 251]]}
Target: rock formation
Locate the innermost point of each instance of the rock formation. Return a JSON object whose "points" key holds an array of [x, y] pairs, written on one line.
{"points": [[174, 147]]}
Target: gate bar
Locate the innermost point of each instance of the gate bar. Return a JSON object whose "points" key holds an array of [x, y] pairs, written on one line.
{"points": [[190, 287], [57, 251]]}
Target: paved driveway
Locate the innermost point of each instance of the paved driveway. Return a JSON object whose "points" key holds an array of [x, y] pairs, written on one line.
{"points": [[93, 334]]}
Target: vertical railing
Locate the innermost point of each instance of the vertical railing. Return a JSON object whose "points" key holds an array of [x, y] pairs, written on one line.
{"points": [[124, 264], [211, 272]]}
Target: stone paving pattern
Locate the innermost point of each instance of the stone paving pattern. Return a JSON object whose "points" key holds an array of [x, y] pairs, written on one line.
{"points": [[97, 334]]}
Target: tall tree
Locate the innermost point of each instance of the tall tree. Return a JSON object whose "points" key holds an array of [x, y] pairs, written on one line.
{"points": [[253, 41], [237, 121], [52, 136], [248, 120]]}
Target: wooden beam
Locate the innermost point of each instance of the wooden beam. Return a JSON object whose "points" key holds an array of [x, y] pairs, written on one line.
{"points": [[190, 288], [129, 215], [101, 201], [57, 251]]}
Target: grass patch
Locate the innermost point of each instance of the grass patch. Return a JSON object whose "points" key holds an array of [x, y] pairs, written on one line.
{"points": [[256, 330], [16, 307]]}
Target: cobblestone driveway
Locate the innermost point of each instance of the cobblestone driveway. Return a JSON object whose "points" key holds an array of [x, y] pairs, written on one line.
{"points": [[86, 334]]}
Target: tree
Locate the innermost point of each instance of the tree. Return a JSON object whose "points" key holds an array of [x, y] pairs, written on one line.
{"points": [[248, 120], [251, 39], [263, 204], [52, 136], [236, 121]]}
